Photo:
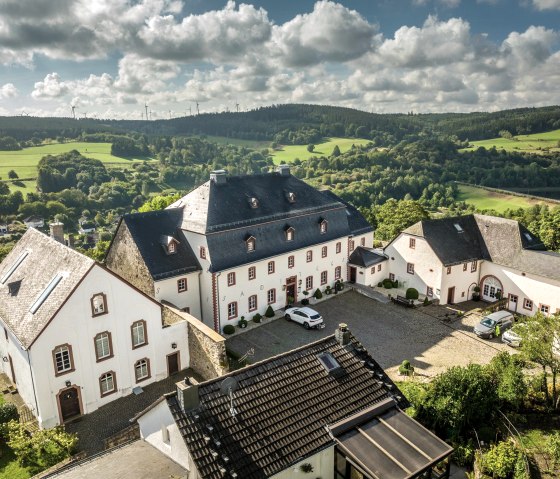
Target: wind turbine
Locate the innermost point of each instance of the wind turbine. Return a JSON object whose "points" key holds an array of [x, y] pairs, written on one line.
{"points": [[85, 114], [146, 107], [197, 110], [170, 114], [190, 110], [73, 111], [237, 107]]}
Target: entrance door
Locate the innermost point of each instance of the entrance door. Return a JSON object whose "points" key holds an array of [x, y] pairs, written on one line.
{"points": [[291, 291], [451, 295], [172, 363], [352, 274], [69, 401], [491, 288], [12, 369], [512, 303]]}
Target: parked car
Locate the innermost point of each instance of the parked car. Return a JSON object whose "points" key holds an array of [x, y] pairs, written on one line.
{"points": [[487, 327], [310, 318], [511, 339]]}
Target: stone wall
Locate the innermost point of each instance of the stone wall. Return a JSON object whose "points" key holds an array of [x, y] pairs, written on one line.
{"points": [[128, 434], [207, 349], [124, 259]]}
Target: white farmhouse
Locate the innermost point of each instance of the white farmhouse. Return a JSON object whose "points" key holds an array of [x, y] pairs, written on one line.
{"points": [[74, 336], [238, 244], [447, 258]]}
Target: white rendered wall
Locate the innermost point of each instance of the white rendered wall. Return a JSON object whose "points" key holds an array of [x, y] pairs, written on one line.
{"points": [[463, 281], [167, 290], [75, 325], [151, 424]]}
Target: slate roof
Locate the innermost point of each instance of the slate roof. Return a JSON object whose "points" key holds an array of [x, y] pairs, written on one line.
{"points": [[150, 230], [45, 259], [356, 221], [283, 406], [500, 240], [365, 257]]}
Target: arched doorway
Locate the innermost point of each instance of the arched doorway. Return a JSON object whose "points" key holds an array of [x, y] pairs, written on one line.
{"points": [[69, 403], [491, 288]]}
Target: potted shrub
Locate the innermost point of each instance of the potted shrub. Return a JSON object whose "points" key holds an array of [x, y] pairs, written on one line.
{"points": [[387, 283], [411, 293], [328, 290], [317, 294], [339, 285], [304, 302], [426, 301], [476, 293], [257, 318], [229, 329], [290, 301], [406, 369], [269, 312], [242, 323]]}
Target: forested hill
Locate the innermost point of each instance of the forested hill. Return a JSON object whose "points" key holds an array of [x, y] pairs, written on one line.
{"points": [[301, 124]]}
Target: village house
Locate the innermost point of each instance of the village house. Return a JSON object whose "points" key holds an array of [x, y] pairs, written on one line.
{"points": [[326, 408], [76, 336], [447, 258], [238, 244]]}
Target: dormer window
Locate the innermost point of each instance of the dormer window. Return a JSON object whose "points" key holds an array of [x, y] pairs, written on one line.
{"points": [[290, 233], [291, 197], [254, 202], [323, 224], [169, 244], [251, 243], [171, 248]]}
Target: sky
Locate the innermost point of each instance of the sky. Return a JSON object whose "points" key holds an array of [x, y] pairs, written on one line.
{"points": [[111, 58]]}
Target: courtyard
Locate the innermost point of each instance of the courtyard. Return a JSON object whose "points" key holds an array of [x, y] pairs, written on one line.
{"points": [[390, 332]]}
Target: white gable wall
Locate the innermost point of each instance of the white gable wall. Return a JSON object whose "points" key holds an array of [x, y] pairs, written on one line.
{"points": [[167, 289], [462, 281]]}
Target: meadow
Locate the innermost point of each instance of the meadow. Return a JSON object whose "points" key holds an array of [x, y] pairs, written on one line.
{"points": [[485, 199], [538, 142], [289, 153], [24, 162]]}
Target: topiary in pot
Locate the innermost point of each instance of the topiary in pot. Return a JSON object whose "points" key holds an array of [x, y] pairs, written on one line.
{"points": [[328, 290], [387, 284], [406, 369], [229, 329], [269, 312], [476, 293], [242, 323], [395, 284], [257, 318], [317, 294], [304, 302], [411, 293], [426, 301]]}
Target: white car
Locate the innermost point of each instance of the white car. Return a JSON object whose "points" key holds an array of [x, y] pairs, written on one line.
{"points": [[511, 339], [306, 316]]}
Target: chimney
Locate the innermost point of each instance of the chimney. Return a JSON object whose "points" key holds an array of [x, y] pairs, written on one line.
{"points": [[284, 170], [342, 334], [57, 231], [218, 177], [187, 394], [70, 241]]}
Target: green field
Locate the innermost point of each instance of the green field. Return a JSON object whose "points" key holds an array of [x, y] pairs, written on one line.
{"points": [[486, 200], [224, 140], [289, 153], [24, 162], [535, 143]]}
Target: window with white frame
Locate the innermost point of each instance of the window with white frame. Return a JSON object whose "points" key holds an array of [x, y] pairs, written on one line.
{"points": [[351, 245], [98, 304], [107, 383], [232, 310], [252, 272], [337, 272], [270, 267], [252, 302], [138, 331], [142, 369], [544, 308], [324, 252], [251, 244], [271, 296], [309, 282], [171, 248], [378, 267], [63, 361], [182, 285], [323, 226], [309, 256], [513, 298], [103, 346], [410, 268], [473, 266], [291, 261], [231, 279], [290, 233], [338, 247], [323, 277], [527, 304]]}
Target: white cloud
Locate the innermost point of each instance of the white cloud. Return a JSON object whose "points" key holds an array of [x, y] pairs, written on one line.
{"points": [[144, 75], [50, 87], [8, 90], [547, 4]]}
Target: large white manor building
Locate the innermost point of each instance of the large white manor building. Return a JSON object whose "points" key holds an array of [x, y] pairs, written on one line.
{"points": [[237, 244]]}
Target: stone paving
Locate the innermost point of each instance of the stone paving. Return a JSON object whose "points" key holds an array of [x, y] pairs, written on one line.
{"points": [[94, 428], [390, 332]]}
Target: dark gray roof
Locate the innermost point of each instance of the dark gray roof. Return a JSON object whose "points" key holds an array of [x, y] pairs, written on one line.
{"points": [[150, 231], [283, 406], [45, 259], [365, 257], [356, 221], [500, 240]]}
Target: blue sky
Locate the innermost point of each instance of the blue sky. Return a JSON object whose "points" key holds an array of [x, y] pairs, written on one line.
{"points": [[110, 57]]}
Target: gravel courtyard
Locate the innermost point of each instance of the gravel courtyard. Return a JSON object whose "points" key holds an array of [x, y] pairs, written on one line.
{"points": [[391, 333]]}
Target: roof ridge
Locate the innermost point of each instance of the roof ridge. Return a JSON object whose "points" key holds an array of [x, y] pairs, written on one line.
{"points": [[58, 244], [151, 213]]}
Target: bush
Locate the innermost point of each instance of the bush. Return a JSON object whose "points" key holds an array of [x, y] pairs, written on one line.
{"points": [[463, 455], [426, 301], [553, 448], [395, 284], [304, 302], [257, 318], [328, 290], [317, 294], [269, 312], [229, 329], [406, 369], [411, 293], [339, 285], [379, 284], [500, 460], [387, 284], [242, 323], [8, 412]]}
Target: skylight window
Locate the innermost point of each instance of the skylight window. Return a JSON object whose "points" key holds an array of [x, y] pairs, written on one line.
{"points": [[331, 365], [458, 227], [46, 293], [15, 266], [528, 236]]}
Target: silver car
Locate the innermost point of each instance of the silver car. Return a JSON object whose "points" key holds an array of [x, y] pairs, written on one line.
{"points": [[488, 326], [310, 318], [511, 339]]}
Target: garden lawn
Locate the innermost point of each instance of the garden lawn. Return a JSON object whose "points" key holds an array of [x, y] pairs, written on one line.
{"points": [[486, 200], [289, 153], [535, 143], [9, 466], [24, 162]]}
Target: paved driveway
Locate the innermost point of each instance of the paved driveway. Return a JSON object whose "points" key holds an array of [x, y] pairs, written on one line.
{"points": [[391, 333]]}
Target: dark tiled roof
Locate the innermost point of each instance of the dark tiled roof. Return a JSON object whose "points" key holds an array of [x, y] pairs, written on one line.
{"points": [[46, 258], [150, 230], [283, 407], [365, 257], [356, 221]]}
